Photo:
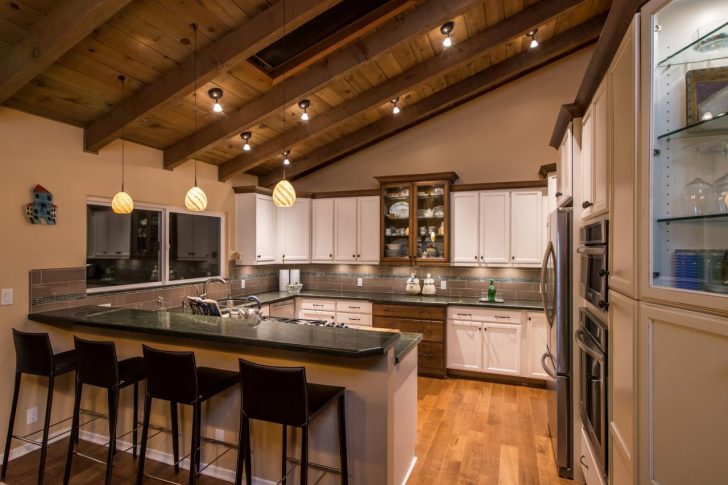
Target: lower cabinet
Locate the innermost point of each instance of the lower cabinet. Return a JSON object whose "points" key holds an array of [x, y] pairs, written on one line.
{"points": [[535, 341], [502, 349]]}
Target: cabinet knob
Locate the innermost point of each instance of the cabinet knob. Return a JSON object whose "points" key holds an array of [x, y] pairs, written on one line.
{"points": [[586, 204], [353, 255], [259, 256], [331, 256], [358, 255], [559, 194], [603, 273], [475, 257], [481, 257], [513, 257]]}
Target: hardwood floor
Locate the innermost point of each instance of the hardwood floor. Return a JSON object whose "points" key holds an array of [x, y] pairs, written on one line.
{"points": [[469, 432]]}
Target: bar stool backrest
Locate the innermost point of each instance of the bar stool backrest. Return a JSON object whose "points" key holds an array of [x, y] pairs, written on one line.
{"points": [[274, 394], [97, 363], [33, 353], [171, 376]]}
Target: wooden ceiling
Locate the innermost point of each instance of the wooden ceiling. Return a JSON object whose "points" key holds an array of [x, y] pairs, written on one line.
{"points": [[70, 74]]}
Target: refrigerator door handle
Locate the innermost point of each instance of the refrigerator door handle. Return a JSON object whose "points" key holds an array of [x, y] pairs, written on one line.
{"points": [[546, 368], [542, 283]]}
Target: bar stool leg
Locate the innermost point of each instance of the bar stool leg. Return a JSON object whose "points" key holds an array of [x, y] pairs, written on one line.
{"points": [[135, 418], [241, 452], [175, 435], [194, 447], [74, 431], [248, 463], [113, 411], [304, 454], [342, 441], [47, 423], [284, 458], [198, 436], [145, 435], [9, 439]]}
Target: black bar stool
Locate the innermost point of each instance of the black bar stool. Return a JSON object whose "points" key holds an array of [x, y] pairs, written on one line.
{"points": [[34, 355], [281, 395], [98, 366], [175, 377]]}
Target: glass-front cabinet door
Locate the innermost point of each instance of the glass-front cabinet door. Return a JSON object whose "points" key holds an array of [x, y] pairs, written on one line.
{"points": [[685, 90], [396, 222], [431, 220]]}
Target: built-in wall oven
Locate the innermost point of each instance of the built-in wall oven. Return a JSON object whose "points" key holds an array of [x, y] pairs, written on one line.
{"points": [[591, 337], [594, 264]]}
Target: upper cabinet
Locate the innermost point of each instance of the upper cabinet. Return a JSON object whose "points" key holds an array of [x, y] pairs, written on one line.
{"points": [[294, 232], [564, 168], [415, 218], [111, 235], [595, 134], [684, 153], [345, 230], [322, 231], [256, 229]]}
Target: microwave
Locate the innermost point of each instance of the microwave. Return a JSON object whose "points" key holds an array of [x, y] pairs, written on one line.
{"points": [[594, 264]]}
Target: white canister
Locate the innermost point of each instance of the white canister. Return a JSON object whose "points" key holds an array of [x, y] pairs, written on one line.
{"points": [[284, 278], [295, 276]]}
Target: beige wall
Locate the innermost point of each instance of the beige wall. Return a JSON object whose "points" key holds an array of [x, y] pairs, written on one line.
{"points": [[33, 151], [500, 136]]}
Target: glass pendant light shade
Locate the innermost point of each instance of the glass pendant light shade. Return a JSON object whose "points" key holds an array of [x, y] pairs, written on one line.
{"points": [[122, 203], [284, 195], [196, 200]]}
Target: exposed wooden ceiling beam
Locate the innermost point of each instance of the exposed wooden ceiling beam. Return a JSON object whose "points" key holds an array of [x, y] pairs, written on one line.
{"points": [[427, 15], [451, 58], [239, 44], [51, 37], [486, 80], [620, 17]]}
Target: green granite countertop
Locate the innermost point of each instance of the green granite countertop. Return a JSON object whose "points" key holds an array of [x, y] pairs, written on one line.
{"points": [[276, 296], [270, 333], [405, 344]]}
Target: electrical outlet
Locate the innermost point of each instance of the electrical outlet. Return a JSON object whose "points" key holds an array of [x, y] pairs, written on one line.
{"points": [[443, 285], [360, 282], [219, 434], [31, 415], [7, 296], [242, 284]]}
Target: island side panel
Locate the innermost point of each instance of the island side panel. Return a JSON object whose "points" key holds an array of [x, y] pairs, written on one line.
{"points": [[404, 421]]}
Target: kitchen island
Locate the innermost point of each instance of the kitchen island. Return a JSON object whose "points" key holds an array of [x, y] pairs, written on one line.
{"points": [[378, 369]]}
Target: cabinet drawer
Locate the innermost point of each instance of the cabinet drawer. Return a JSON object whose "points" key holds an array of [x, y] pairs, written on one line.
{"points": [[354, 318], [430, 358], [488, 315], [318, 305], [317, 315], [431, 331], [410, 311], [353, 306]]}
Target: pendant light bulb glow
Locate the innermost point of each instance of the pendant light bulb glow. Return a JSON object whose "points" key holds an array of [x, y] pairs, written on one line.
{"points": [[215, 94], [122, 203], [286, 160], [304, 104], [446, 29], [447, 41], [196, 200], [534, 42], [395, 108], [304, 116], [246, 136]]}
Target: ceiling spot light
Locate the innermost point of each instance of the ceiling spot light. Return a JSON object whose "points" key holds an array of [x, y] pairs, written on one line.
{"points": [[446, 29], [246, 136], [395, 108], [532, 35], [216, 94], [286, 160], [304, 104]]}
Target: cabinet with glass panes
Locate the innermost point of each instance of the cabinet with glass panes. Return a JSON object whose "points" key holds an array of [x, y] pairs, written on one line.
{"points": [[416, 218], [689, 145]]}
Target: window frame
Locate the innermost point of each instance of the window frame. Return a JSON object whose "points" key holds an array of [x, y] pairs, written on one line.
{"points": [[165, 210]]}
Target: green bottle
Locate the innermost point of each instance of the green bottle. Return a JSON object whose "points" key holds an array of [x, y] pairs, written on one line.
{"points": [[491, 291]]}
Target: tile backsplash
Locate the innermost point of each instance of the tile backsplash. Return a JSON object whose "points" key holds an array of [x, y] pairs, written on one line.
{"points": [[52, 289]]}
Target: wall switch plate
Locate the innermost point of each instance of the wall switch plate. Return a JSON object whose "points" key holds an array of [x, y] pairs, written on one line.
{"points": [[443, 285], [360, 282], [242, 284], [7, 296], [219, 434], [31, 415]]}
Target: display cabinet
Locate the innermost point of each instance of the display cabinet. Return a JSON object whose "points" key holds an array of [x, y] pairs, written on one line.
{"points": [[415, 224], [684, 156]]}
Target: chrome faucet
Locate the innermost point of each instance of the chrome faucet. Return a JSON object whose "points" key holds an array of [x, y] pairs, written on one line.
{"points": [[216, 279]]}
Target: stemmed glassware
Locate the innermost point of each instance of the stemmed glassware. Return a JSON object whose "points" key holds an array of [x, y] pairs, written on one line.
{"points": [[720, 186], [698, 196]]}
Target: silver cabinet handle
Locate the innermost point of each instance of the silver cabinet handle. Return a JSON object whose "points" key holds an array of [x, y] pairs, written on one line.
{"points": [[354, 319], [503, 317], [465, 314]]}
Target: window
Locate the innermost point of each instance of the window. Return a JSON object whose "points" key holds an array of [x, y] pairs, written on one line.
{"points": [[127, 251]]}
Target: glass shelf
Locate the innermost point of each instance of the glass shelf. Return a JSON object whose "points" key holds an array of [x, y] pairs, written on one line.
{"points": [[717, 126], [692, 218], [711, 46]]}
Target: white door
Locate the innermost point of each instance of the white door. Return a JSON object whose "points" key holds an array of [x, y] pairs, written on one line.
{"points": [[565, 168], [537, 338], [464, 345], [495, 246], [266, 240], [368, 230], [502, 349], [294, 231], [526, 227], [587, 163], [599, 173], [464, 231], [322, 231], [345, 230]]}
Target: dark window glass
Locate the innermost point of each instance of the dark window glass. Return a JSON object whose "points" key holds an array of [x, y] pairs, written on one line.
{"points": [[122, 249], [194, 246]]}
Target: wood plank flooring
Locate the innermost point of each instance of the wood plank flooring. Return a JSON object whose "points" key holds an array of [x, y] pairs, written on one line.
{"points": [[469, 432]]}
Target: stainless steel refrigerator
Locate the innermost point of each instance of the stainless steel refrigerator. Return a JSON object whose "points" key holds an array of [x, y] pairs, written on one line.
{"points": [[557, 361]]}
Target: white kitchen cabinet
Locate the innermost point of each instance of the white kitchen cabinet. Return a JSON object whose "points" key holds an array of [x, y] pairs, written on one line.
{"points": [[464, 216], [111, 237], [586, 163], [266, 234], [356, 230], [345, 230], [367, 230], [465, 345], [294, 232], [502, 349], [564, 169], [322, 231], [588, 461], [526, 224], [595, 156], [495, 224], [536, 339], [256, 229]]}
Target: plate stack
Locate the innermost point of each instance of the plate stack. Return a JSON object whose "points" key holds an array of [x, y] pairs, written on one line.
{"points": [[689, 269]]}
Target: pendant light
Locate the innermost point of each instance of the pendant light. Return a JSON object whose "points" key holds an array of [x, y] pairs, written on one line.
{"points": [[395, 108], [246, 137], [215, 94], [122, 202], [304, 104], [534, 42], [195, 200], [446, 29], [284, 195]]}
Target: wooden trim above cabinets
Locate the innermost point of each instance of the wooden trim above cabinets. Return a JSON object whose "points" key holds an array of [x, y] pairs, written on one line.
{"points": [[525, 184], [345, 193], [545, 170], [419, 177]]}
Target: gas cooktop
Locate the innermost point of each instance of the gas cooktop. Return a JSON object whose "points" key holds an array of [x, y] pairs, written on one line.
{"points": [[311, 322]]}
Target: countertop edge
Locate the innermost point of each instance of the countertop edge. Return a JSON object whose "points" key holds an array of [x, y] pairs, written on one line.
{"points": [[403, 349]]}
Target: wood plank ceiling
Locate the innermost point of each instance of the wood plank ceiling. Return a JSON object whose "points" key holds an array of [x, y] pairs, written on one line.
{"points": [[348, 82]]}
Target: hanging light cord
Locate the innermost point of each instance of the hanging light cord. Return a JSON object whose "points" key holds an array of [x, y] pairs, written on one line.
{"points": [[122, 78], [194, 27], [283, 86]]}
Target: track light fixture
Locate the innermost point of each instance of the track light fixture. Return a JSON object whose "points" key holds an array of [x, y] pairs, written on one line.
{"points": [[446, 29], [215, 94], [395, 108], [246, 136], [532, 35], [286, 160], [304, 104]]}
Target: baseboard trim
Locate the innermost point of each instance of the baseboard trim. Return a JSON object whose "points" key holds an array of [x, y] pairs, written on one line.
{"points": [[499, 378]]}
